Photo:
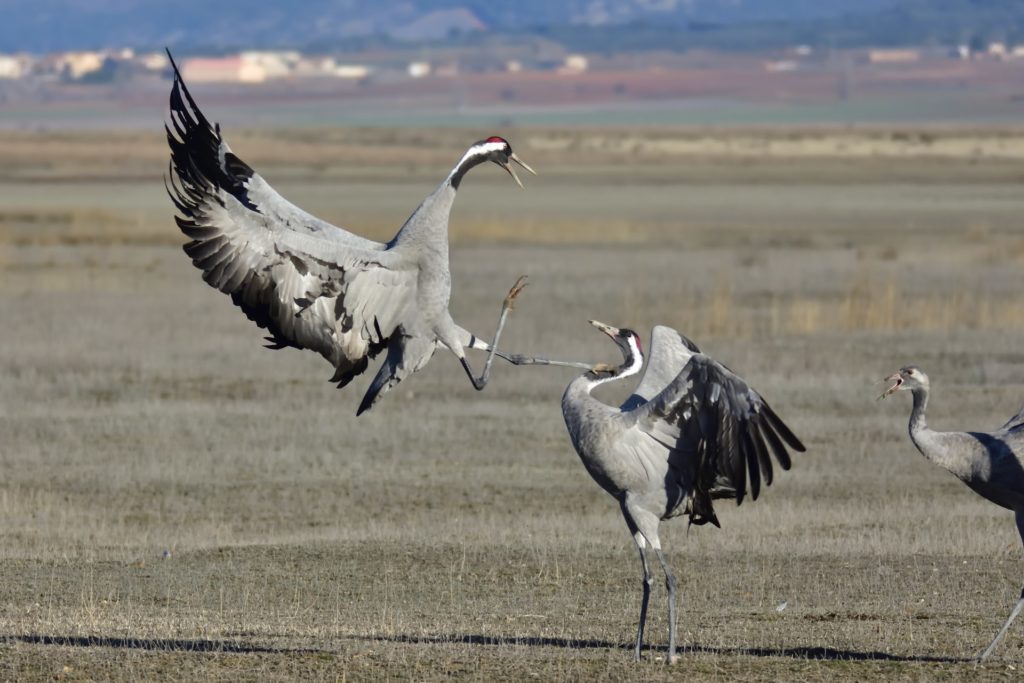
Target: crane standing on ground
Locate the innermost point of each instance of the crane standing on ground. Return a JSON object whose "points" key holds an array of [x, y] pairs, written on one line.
{"points": [[990, 463], [691, 432], [311, 284]]}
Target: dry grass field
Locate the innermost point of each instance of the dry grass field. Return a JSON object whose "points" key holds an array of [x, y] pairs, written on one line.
{"points": [[179, 503]]}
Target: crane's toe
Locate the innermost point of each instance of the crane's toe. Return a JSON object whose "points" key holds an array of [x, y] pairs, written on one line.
{"points": [[517, 288]]}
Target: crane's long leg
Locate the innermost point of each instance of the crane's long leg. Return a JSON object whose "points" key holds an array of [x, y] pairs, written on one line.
{"points": [[1006, 627], [1017, 608], [648, 580], [492, 348], [506, 306], [518, 359], [670, 585]]}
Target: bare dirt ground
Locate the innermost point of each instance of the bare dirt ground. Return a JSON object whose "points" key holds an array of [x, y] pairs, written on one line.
{"points": [[180, 503]]}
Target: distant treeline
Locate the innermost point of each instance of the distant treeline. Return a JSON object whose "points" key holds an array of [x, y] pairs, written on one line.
{"points": [[916, 22], [912, 22]]}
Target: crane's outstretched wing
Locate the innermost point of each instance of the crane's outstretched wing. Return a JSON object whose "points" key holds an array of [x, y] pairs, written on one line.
{"points": [[710, 415], [310, 284], [668, 352]]}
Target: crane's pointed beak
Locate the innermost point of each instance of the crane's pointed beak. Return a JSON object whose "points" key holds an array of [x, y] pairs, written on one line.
{"points": [[897, 383], [607, 329], [508, 167], [522, 163]]}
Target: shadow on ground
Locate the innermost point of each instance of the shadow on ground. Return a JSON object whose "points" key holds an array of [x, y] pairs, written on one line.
{"points": [[187, 645], [822, 653], [175, 645]]}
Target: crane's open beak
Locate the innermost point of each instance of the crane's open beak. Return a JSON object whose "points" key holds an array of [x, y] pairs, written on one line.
{"points": [[607, 329], [508, 167], [897, 383]]}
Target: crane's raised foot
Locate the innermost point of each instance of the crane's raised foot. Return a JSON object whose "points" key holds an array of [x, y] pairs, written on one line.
{"points": [[517, 288]]}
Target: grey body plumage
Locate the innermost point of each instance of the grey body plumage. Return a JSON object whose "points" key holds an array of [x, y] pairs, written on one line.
{"points": [[313, 285], [990, 463], [692, 432]]}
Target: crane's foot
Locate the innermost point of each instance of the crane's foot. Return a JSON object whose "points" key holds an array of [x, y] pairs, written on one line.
{"points": [[517, 288]]}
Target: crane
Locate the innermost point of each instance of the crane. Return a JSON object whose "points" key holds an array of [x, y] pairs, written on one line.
{"points": [[313, 285], [691, 432], [990, 463]]}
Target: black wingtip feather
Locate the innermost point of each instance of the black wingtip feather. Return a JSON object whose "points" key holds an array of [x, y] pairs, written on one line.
{"points": [[763, 458], [738, 480], [753, 470], [788, 436], [344, 375], [688, 343], [781, 454], [196, 147]]}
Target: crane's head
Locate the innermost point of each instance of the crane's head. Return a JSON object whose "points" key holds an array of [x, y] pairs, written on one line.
{"points": [[909, 377], [498, 150], [628, 342]]}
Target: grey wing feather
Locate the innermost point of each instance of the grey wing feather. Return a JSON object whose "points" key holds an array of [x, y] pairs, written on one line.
{"points": [[667, 355], [708, 412], [1014, 422], [310, 284]]}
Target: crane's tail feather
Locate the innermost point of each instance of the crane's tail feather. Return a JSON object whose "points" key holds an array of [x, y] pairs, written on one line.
{"points": [[406, 355]]}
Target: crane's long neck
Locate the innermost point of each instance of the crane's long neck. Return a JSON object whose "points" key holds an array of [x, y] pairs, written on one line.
{"points": [[427, 227], [918, 425], [581, 387], [935, 446], [474, 156], [584, 414]]}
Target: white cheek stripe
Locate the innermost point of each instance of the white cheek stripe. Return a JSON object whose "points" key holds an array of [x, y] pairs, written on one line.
{"points": [[481, 150], [638, 359], [486, 147], [476, 151]]}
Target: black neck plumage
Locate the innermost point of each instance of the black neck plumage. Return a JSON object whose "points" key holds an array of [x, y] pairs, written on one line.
{"points": [[464, 166]]}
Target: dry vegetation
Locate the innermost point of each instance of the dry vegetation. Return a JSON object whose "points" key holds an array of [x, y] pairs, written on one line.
{"points": [[180, 503]]}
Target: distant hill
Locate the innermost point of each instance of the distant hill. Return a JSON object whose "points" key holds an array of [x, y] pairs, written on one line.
{"points": [[51, 25]]}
